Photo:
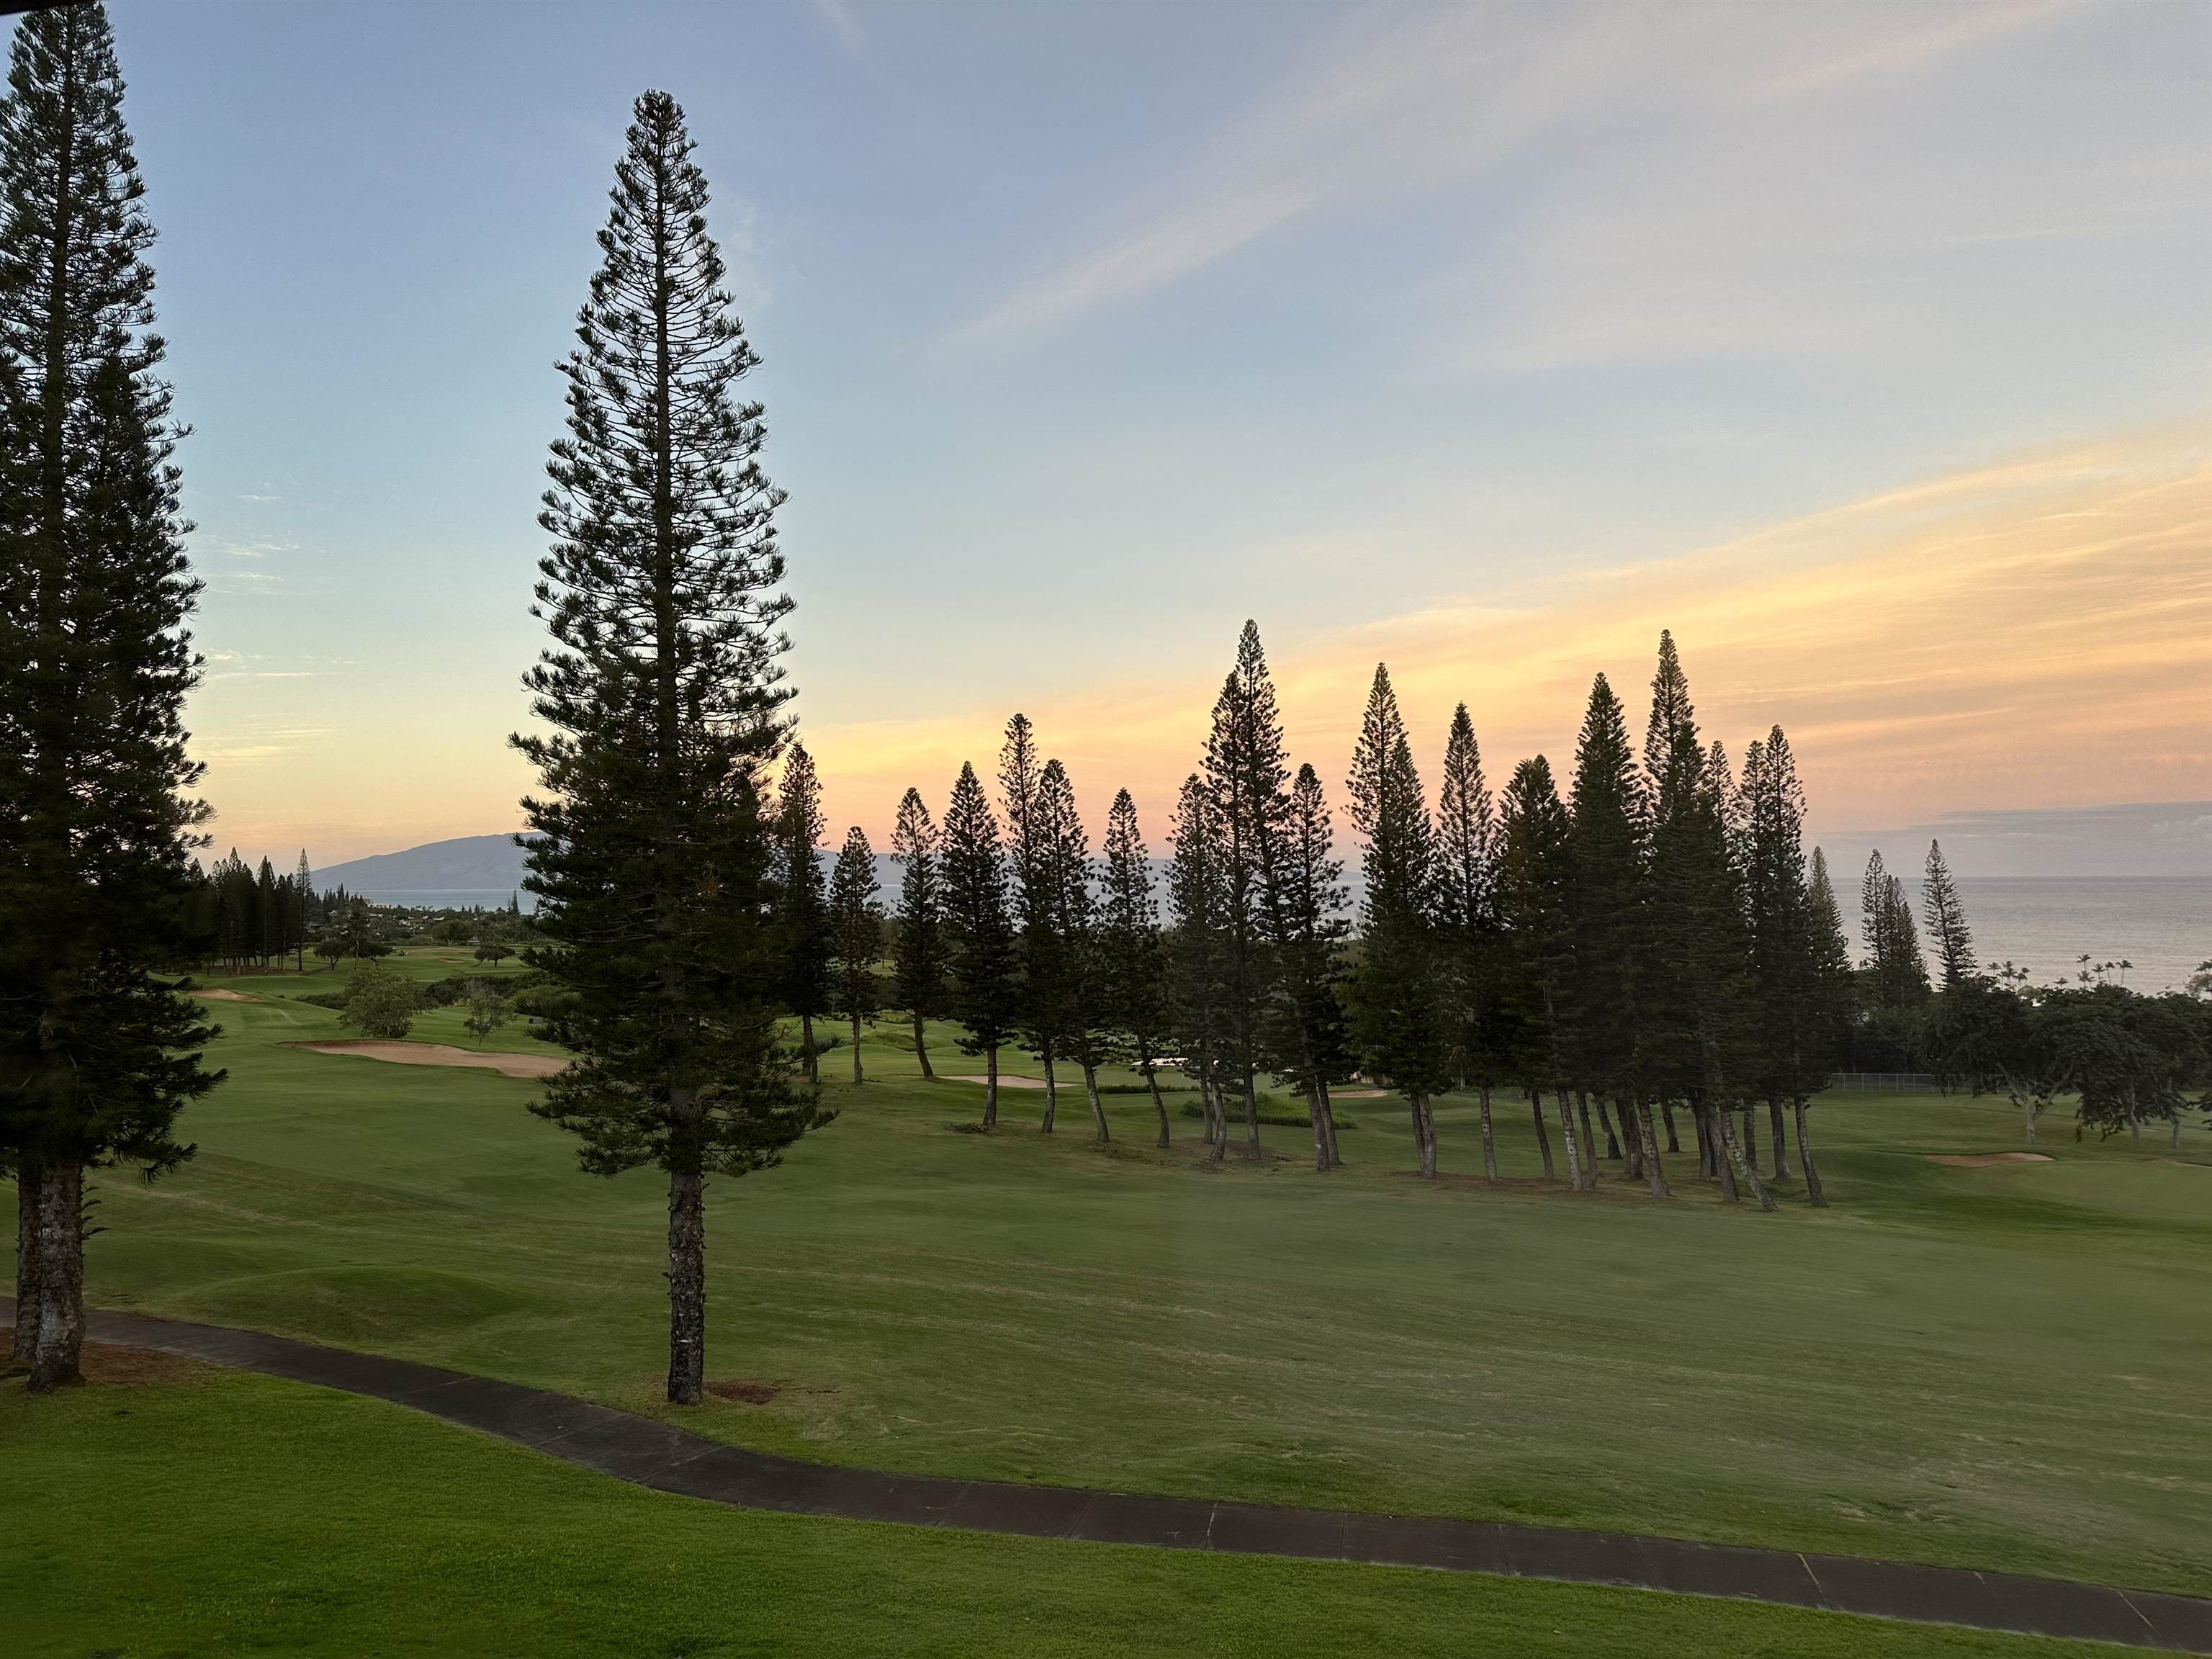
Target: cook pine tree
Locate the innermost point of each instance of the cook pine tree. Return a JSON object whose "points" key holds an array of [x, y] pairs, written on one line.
{"points": [[1533, 879], [662, 701], [1196, 903], [856, 937], [1796, 946], [1396, 996], [98, 1057], [1948, 935], [1077, 1018], [1467, 921], [1132, 956], [1831, 995], [918, 958], [1043, 998], [1304, 1026], [984, 966], [803, 898]]}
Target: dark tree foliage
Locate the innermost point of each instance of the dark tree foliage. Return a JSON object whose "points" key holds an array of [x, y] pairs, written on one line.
{"points": [[1469, 925], [801, 888], [1133, 962], [986, 986], [1793, 1024], [1606, 917], [1533, 882], [1246, 771], [97, 1057], [1304, 1029], [919, 954], [663, 700], [1078, 1011], [1896, 973], [1946, 915], [1401, 1025], [856, 937], [1044, 990], [1197, 906]]}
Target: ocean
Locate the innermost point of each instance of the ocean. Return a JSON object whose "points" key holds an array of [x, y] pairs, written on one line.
{"points": [[2160, 924]]}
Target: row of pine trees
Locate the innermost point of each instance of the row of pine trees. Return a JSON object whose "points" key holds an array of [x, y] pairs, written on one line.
{"points": [[1650, 942]]}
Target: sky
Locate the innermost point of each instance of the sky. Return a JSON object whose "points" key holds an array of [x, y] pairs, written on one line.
{"points": [[1866, 347]]}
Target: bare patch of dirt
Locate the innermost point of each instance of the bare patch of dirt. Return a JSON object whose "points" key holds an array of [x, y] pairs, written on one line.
{"points": [[1006, 1081], [743, 1390], [225, 996], [1983, 1160], [107, 1365], [443, 1054]]}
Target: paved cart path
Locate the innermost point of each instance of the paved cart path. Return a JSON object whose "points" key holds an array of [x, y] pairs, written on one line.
{"points": [[670, 1459]]}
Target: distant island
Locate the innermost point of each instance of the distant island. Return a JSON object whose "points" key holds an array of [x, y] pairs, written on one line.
{"points": [[465, 863]]}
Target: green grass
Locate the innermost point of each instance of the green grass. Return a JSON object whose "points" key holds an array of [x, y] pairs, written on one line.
{"points": [[240, 1515], [1991, 1367]]}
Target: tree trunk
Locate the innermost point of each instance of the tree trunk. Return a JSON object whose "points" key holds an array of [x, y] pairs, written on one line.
{"points": [[1152, 1082], [806, 1042], [922, 1051], [1574, 1178], [991, 1085], [1489, 1138], [1704, 1145], [687, 1286], [1750, 1136], [1424, 1135], [1781, 1145], [1654, 1165], [1543, 1135], [1051, 1090], [2028, 1118], [1635, 1140], [27, 1263], [1320, 1133], [1590, 1135], [1328, 1125], [58, 1352], [1746, 1169], [1812, 1192], [1612, 1140], [1667, 1112], [1710, 1120], [1252, 1120], [1221, 1126], [856, 1049], [1097, 1107], [2135, 1123]]}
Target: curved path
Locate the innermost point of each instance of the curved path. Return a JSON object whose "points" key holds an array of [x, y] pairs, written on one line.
{"points": [[670, 1459]]}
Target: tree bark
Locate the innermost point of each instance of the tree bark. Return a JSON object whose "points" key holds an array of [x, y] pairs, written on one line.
{"points": [[1097, 1107], [1424, 1135], [922, 1051], [1543, 1135], [1590, 1135], [1251, 1120], [687, 1286], [1489, 1138], [1221, 1126], [1612, 1140], [27, 1263], [2027, 1113], [1746, 1169], [1709, 1120], [58, 1352], [1666, 1111], [1705, 1170], [991, 1086], [806, 1042], [1654, 1165], [1152, 1082], [1051, 1090], [856, 1049], [1320, 1134], [1328, 1125], [1576, 1178], [1750, 1136], [1781, 1145]]}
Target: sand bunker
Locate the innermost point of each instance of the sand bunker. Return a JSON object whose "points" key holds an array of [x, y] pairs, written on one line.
{"points": [[441, 1054], [1358, 1094], [1983, 1160], [1006, 1081], [225, 996]]}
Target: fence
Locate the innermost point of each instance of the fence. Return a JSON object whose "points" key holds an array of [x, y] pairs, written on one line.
{"points": [[1900, 1083]]}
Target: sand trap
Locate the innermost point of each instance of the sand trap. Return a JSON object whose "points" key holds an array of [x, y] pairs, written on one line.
{"points": [[1006, 1080], [225, 996], [1983, 1160], [442, 1053], [1358, 1094]]}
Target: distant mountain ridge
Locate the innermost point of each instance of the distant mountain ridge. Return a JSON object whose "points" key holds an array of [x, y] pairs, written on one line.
{"points": [[471, 863]]}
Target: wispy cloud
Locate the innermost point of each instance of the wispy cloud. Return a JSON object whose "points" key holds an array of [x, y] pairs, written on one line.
{"points": [[844, 21], [1403, 101]]}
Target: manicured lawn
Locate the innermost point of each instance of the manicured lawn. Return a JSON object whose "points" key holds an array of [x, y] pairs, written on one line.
{"points": [[1995, 1367], [230, 1515]]}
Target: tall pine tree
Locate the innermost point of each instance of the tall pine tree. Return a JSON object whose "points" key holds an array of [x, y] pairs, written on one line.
{"points": [[1468, 929], [803, 898], [979, 919], [1945, 916], [1401, 1019], [1197, 902], [97, 1057], [856, 935], [1305, 1024], [919, 959], [663, 700], [1132, 958], [1533, 879], [1078, 1016]]}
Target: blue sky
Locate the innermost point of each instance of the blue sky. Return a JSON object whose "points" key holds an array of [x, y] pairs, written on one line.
{"points": [[1487, 340]]}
